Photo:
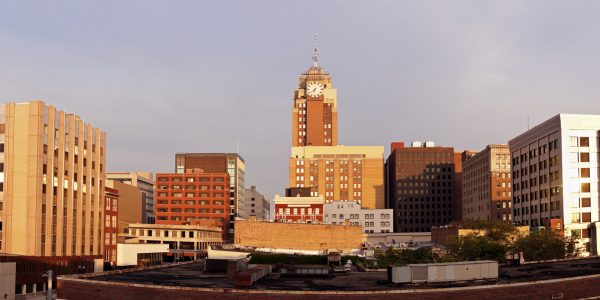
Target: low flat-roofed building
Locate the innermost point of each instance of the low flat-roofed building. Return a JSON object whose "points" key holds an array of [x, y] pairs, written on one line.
{"points": [[183, 240], [371, 220], [140, 254]]}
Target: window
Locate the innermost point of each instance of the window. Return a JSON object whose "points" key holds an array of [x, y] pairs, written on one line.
{"points": [[584, 157], [575, 218], [586, 217], [585, 187], [573, 141], [584, 173], [586, 202], [584, 141]]}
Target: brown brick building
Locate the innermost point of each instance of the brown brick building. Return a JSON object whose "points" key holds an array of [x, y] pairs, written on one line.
{"points": [[111, 213], [421, 187], [314, 112], [230, 163], [486, 191], [183, 198]]}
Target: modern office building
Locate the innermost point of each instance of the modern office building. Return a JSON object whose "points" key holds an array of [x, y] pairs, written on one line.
{"points": [[299, 209], [52, 176], [421, 185], [486, 182], [183, 240], [230, 163], [344, 173], [185, 198], [555, 169], [371, 220], [111, 214], [144, 181], [258, 205], [314, 111]]}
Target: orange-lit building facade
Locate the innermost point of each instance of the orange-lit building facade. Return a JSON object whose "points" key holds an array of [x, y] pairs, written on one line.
{"points": [[111, 214], [299, 209], [186, 198], [314, 111]]}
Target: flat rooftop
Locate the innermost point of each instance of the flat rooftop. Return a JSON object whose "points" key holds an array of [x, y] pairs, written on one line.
{"points": [[192, 275]]}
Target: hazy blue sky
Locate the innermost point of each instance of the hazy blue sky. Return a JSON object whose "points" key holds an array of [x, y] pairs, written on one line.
{"points": [[195, 76]]}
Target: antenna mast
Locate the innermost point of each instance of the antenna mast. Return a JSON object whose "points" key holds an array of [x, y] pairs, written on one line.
{"points": [[316, 53]]}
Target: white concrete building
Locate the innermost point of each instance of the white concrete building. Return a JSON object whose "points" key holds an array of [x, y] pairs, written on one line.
{"points": [[555, 176], [371, 220]]}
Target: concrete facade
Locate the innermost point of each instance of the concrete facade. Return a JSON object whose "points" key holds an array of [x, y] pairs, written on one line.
{"points": [[347, 173], [52, 176], [298, 236], [487, 187], [257, 205], [144, 181], [371, 220], [555, 179]]}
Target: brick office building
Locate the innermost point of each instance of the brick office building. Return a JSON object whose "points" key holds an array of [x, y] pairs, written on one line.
{"points": [[486, 191], [185, 198], [111, 212], [230, 163], [421, 185]]}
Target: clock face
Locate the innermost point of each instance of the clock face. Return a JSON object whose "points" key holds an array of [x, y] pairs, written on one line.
{"points": [[314, 89]]}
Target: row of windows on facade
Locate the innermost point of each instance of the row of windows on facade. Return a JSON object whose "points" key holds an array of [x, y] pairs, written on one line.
{"points": [[302, 211], [428, 213], [521, 158], [196, 195], [535, 181], [192, 187], [187, 219], [190, 210], [434, 191], [424, 199], [416, 184], [406, 221], [190, 179], [173, 233], [303, 126], [424, 154], [357, 216], [553, 206]]}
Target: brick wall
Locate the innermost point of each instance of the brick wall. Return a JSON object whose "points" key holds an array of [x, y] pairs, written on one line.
{"points": [[297, 236], [570, 288]]}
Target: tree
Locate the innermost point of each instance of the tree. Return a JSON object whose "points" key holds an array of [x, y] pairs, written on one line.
{"points": [[498, 231], [476, 247], [547, 244]]}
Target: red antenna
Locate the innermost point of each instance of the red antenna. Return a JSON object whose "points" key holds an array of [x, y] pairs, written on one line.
{"points": [[315, 53]]}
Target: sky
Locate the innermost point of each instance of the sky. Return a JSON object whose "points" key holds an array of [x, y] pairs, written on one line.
{"points": [[164, 77]]}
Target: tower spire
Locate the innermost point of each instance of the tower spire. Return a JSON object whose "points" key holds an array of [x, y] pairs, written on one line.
{"points": [[316, 53]]}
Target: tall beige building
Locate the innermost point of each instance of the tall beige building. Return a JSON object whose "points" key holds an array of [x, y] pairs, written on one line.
{"points": [[52, 173], [487, 192], [340, 173]]}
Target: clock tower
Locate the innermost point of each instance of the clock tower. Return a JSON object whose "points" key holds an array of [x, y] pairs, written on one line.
{"points": [[314, 112]]}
